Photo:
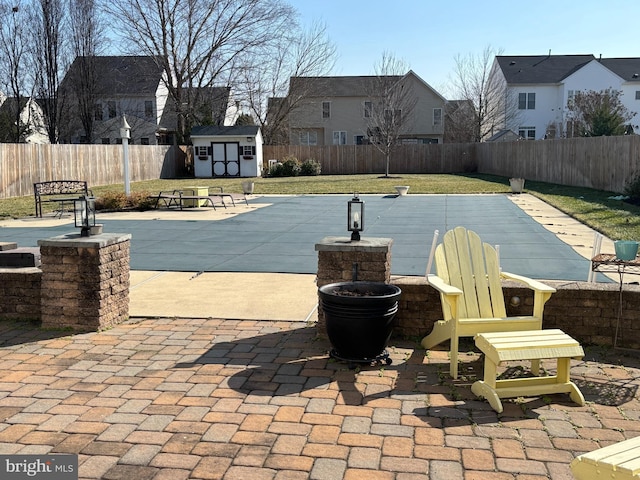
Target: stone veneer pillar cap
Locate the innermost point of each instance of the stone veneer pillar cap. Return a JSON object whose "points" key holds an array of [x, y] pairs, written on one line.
{"points": [[75, 240], [365, 244]]}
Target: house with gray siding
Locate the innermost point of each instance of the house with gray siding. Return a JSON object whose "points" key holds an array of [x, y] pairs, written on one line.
{"points": [[337, 110]]}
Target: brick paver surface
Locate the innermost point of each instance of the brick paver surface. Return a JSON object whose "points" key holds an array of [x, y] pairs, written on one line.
{"points": [[218, 399]]}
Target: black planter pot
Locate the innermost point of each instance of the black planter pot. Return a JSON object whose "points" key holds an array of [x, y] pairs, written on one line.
{"points": [[359, 318]]}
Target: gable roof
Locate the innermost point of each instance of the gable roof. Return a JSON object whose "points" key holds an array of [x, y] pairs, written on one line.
{"points": [[119, 75], [540, 68], [625, 68], [352, 86], [220, 131]]}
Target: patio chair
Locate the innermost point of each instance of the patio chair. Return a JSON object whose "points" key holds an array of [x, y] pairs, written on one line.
{"points": [[469, 281]]}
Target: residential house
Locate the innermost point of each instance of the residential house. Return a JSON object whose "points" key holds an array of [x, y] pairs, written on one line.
{"points": [[338, 110], [134, 86], [33, 128], [542, 86]]}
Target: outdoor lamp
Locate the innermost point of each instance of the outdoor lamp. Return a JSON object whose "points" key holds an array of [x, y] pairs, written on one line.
{"points": [[84, 209], [355, 217]]}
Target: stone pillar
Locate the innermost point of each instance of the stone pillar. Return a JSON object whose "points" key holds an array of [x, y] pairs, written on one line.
{"points": [[340, 260], [85, 281]]}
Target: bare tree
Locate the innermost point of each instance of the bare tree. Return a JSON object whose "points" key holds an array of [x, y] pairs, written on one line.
{"points": [[390, 107], [47, 34], [265, 80], [78, 98], [199, 43], [475, 81], [598, 113], [14, 67]]}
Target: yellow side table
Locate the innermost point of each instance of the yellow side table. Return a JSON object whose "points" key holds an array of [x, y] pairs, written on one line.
{"points": [[501, 347], [195, 192]]}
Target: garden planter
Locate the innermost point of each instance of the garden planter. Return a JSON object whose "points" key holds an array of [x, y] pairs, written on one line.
{"points": [[626, 250], [517, 185], [402, 190], [247, 188], [359, 319]]}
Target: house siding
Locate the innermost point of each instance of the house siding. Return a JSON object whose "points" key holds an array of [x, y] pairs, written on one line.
{"points": [[347, 115], [552, 94]]}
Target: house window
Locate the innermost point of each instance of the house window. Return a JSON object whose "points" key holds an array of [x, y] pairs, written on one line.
{"points": [[144, 141], [359, 140], [526, 101], [308, 138], [248, 150], [528, 133], [201, 151], [148, 108], [111, 105], [339, 138], [368, 107], [571, 95], [97, 111], [326, 109], [637, 94], [437, 116], [393, 117]]}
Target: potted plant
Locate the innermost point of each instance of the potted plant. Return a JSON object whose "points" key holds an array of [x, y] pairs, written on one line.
{"points": [[359, 318]]}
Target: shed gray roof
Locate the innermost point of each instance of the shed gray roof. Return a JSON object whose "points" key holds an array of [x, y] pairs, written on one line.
{"points": [[540, 68], [220, 131]]}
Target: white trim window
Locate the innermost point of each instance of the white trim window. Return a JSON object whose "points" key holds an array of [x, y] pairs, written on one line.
{"points": [[326, 109], [437, 116], [528, 133], [308, 137], [526, 101], [368, 109], [637, 94], [339, 137]]}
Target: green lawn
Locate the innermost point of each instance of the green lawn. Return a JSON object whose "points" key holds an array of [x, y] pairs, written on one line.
{"points": [[614, 218]]}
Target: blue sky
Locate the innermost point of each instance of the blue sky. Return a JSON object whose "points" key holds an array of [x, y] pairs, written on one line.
{"points": [[429, 34]]}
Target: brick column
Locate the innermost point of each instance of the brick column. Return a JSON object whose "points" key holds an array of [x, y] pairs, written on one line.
{"points": [[85, 281], [339, 258]]}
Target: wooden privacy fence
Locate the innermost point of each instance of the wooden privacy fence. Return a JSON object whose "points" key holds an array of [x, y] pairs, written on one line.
{"points": [[367, 159], [603, 163], [22, 165]]}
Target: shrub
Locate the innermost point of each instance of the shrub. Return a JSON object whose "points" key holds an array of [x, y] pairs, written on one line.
{"points": [[112, 201], [310, 167], [115, 201], [289, 167], [632, 188]]}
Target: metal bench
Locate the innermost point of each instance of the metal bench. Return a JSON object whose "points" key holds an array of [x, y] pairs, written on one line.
{"points": [[178, 199], [58, 191], [501, 347], [620, 461]]}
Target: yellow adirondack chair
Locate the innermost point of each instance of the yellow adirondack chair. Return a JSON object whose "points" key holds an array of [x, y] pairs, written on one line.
{"points": [[469, 281]]}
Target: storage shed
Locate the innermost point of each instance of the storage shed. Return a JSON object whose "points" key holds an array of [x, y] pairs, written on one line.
{"points": [[227, 151]]}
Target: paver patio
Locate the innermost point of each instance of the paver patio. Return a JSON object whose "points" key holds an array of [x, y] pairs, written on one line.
{"points": [[225, 399]]}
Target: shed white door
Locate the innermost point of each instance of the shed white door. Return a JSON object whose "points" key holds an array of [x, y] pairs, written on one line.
{"points": [[226, 160]]}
